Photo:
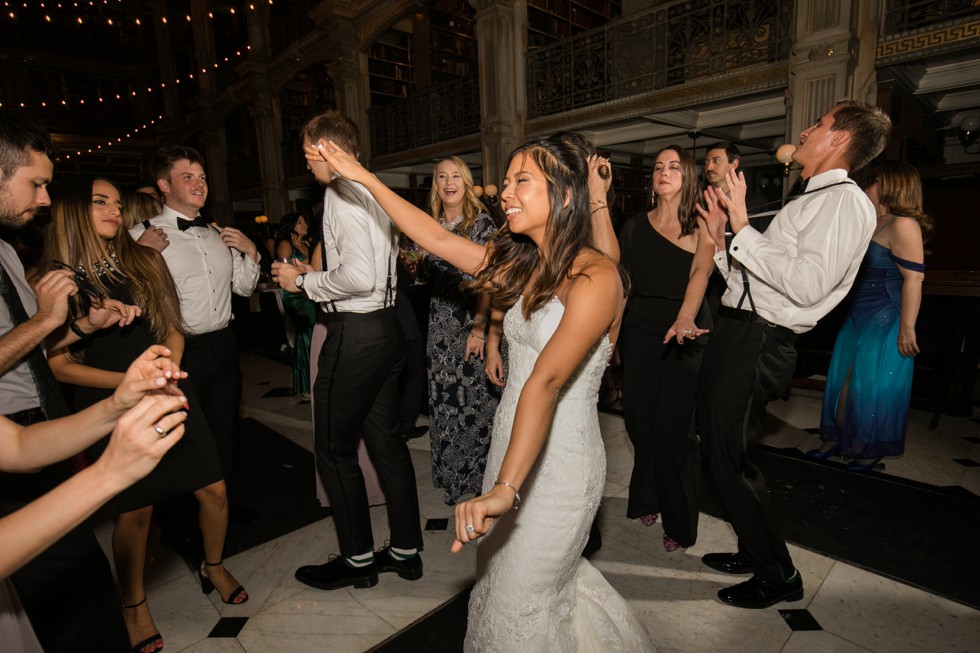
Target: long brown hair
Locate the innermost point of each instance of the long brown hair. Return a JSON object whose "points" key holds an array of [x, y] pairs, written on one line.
{"points": [[72, 239], [900, 193], [471, 206], [687, 214], [138, 207], [512, 259]]}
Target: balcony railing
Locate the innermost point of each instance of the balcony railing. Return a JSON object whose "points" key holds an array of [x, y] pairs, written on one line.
{"points": [[666, 45], [441, 113], [907, 15]]}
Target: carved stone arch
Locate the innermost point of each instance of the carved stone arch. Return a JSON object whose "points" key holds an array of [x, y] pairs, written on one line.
{"points": [[380, 21]]}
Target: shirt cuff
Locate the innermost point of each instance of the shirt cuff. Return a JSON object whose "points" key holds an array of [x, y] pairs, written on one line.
{"points": [[743, 243]]}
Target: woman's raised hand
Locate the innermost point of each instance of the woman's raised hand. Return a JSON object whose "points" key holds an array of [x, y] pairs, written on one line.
{"points": [[151, 371], [600, 176], [342, 163]]}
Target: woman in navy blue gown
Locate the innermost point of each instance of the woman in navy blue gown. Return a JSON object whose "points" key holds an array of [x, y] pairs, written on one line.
{"points": [[866, 403]]}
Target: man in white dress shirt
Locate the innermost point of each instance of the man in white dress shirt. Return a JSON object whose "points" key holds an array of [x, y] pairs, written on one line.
{"points": [[355, 393], [207, 263], [779, 284]]}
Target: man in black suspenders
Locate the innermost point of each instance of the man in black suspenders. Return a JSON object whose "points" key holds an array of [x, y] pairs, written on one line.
{"points": [[355, 393], [779, 283]]}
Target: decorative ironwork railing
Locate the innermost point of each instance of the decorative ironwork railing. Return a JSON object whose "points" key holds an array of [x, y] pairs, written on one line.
{"points": [[438, 114], [666, 45], [907, 15]]}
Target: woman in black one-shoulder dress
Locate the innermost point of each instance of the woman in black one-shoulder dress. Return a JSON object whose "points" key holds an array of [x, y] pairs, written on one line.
{"points": [[664, 333]]}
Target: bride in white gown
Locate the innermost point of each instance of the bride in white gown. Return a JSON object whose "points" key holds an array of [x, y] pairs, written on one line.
{"points": [[534, 592]]}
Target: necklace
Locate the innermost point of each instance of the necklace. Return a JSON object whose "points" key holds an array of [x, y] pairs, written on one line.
{"points": [[451, 225]]}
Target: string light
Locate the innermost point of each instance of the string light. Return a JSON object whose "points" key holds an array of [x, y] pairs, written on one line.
{"points": [[117, 140]]}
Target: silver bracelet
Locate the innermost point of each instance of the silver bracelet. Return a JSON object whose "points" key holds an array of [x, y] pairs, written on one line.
{"points": [[517, 495]]}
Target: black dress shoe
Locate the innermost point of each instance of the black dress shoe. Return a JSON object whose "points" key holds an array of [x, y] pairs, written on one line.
{"points": [[336, 574], [415, 432], [410, 569], [729, 563], [756, 593]]}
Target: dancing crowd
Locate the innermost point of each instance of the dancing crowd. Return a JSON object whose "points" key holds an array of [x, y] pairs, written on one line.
{"points": [[700, 298]]}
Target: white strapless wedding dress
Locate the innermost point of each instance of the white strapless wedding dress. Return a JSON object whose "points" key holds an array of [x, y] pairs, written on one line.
{"points": [[534, 592]]}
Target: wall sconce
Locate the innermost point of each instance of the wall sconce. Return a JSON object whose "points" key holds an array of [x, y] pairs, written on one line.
{"points": [[785, 156], [969, 130], [492, 198]]}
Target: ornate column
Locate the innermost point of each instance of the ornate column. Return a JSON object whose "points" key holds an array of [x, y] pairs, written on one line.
{"points": [[347, 66], [833, 58], [501, 29], [213, 135], [268, 121]]}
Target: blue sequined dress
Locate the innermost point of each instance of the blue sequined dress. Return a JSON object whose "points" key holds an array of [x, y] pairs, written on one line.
{"points": [[876, 409]]}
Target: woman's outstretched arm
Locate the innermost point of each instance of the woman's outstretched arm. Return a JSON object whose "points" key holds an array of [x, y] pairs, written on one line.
{"points": [[415, 223], [134, 450]]}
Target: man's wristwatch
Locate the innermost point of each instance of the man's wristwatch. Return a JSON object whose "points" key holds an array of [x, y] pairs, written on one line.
{"points": [[300, 278]]}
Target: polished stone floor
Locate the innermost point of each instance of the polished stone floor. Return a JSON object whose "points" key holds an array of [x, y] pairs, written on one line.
{"points": [[844, 609]]}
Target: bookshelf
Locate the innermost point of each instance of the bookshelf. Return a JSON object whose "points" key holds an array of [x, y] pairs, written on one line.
{"points": [[550, 21], [435, 45]]}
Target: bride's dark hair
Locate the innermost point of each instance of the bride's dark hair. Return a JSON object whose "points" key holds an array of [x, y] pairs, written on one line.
{"points": [[512, 259]]}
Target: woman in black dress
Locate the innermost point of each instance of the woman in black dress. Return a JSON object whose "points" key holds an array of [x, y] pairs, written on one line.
{"points": [[669, 264], [85, 235]]}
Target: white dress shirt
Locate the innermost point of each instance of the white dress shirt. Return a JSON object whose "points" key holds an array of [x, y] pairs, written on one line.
{"points": [[805, 262], [205, 270], [360, 249], [17, 389]]}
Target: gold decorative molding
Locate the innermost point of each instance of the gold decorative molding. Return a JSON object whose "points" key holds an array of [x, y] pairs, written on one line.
{"points": [[918, 44], [745, 82], [469, 143]]}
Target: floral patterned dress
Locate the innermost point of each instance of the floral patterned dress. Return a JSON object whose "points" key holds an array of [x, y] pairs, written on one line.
{"points": [[462, 401]]}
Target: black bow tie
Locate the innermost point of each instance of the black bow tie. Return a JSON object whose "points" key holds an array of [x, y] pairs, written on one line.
{"points": [[199, 221]]}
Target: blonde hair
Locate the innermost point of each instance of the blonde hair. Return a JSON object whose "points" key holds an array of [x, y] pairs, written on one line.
{"points": [[471, 205]]}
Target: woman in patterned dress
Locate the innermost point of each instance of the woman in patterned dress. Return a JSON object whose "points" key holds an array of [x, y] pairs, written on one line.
{"points": [[461, 400]]}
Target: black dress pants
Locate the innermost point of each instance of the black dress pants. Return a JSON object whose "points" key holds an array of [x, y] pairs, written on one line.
{"points": [[745, 366], [658, 409], [215, 378], [356, 394]]}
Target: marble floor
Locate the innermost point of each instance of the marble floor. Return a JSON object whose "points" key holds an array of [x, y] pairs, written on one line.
{"points": [[844, 609]]}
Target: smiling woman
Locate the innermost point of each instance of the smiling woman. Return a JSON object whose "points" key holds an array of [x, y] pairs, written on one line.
{"points": [[461, 399], [86, 233], [564, 299]]}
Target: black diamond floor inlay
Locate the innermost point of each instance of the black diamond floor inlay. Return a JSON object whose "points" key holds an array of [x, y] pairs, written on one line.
{"points": [[966, 462], [265, 382], [813, 430], [228, 627], [972, 440], [800, 620], [439, 524]]}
